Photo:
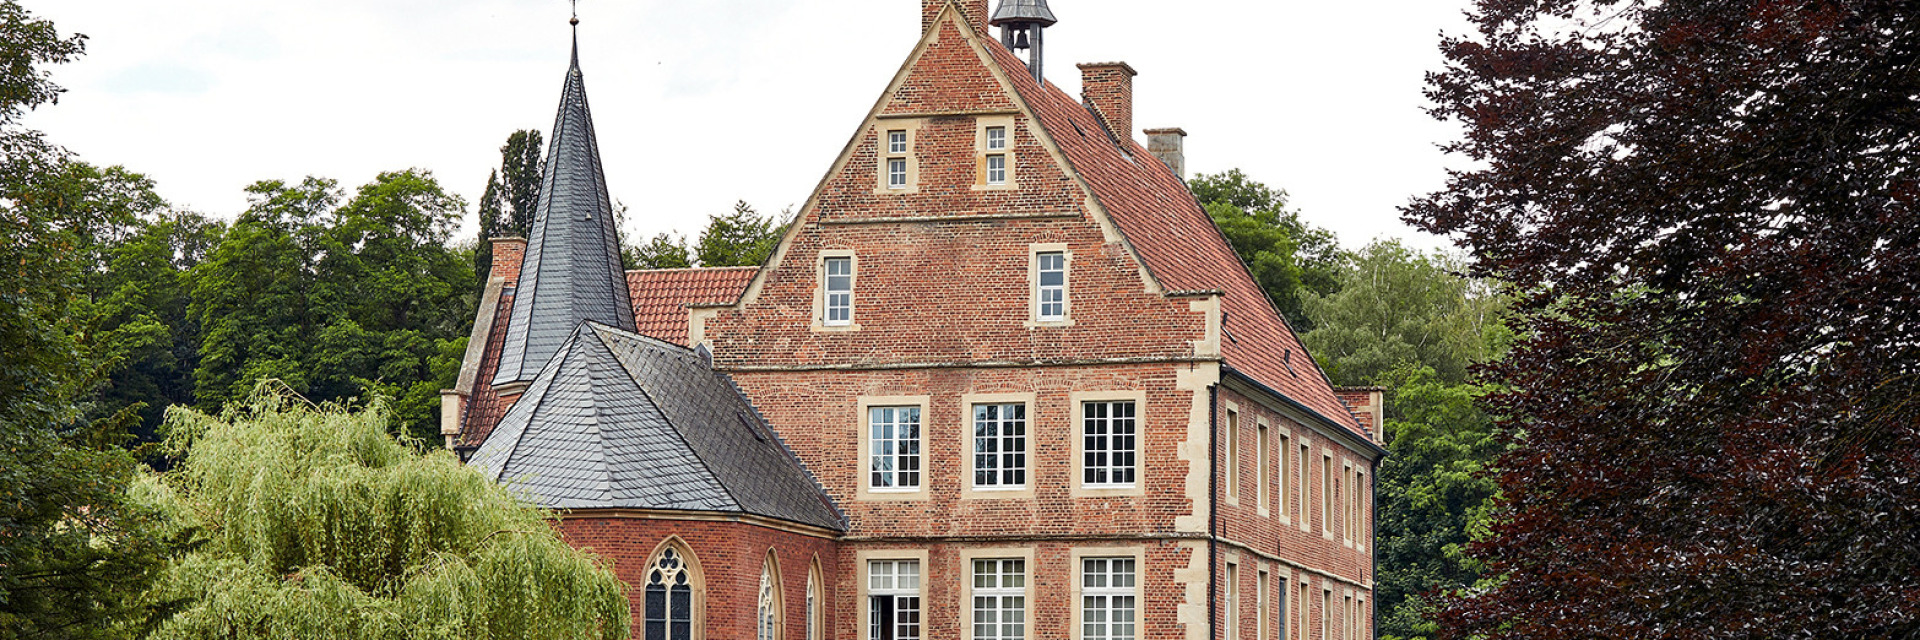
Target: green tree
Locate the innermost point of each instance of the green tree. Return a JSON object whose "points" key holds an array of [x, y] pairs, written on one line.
{"points": [[664, 251], [739, 238], [1409, 322], [338, 301], [1394, 306], [522, 165], [1285, 254], [318, 524], [76, 550], [492, 208]]}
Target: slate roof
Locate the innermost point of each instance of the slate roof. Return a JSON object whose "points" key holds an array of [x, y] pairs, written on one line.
{"points": [[660, 296], [1182, 248], [621, 420], [571, 271]]}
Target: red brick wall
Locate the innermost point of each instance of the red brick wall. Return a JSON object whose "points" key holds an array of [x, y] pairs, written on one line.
{"points": [[1108, 88], [507, 254], [729, 555], [818, 416], [1277, 532], [975, 11]]}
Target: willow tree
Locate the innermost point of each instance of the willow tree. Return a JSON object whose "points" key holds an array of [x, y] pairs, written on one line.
{"points": [[318, 524]]}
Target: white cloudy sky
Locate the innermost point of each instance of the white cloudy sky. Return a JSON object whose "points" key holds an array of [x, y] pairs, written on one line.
{"points": [[699, 103]]}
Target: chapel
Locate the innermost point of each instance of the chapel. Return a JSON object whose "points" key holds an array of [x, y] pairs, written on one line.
{"points": [[1001, 379]]}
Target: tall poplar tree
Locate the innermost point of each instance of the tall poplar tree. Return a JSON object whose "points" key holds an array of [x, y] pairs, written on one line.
{"points": [[1709, 210]]}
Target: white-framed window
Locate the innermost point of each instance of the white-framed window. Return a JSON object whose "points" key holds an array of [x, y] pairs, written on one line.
{"points": [[768, 615], [893, 599], [999, 599], [1051, 286], [1000, 446], [894, 446], [838, 310], [896, 141], [1110, 437], [1107, 600], [896, 173], [668, 608], [1233, 601], [996, 138], [997, 169]]}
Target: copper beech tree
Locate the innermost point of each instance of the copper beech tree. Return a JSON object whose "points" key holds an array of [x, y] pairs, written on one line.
{"points": [[1708, 210]]}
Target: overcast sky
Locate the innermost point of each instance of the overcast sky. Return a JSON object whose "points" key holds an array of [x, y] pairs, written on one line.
{"points": [[699, 103]]}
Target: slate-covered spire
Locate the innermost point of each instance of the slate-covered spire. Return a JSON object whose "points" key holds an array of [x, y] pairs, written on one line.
{"points": [[572, 270]]}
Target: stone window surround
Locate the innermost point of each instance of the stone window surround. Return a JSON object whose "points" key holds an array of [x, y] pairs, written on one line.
{"points": [[1033, 284], [864, 559], [1078, 570], [967, 489], [820, 291], [967, 556], [863, 479], [696, 579], [1079, 489], [981, 124], [882, 154]]}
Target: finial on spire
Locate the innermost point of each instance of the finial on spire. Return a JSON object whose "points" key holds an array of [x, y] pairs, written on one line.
{"points": [[575, 20]]}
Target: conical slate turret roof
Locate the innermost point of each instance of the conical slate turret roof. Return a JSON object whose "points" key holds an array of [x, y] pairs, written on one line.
{"points": [[572, 270], [617, 420]]}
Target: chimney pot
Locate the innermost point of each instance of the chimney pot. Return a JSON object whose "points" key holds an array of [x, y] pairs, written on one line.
{"points": [[507, 255], [1169, 145], [1107, 87], [975, 12]]}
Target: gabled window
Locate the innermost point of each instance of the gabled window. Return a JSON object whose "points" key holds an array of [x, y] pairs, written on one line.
{"points": [[1107, 605], [1000, 446], [1109, 432], [838, 275], [999, 599], [893, 600], [894, 434]]}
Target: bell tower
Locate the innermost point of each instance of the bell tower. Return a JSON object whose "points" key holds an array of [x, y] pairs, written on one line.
{"points": [[1023, 26]]}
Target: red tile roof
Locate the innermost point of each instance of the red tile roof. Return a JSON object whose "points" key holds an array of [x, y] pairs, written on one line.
{"points": [[1182, 248], [661, 296]]}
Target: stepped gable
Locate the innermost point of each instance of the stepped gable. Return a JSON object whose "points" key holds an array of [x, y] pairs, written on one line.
{"points": [[617, 420], [572, 269], [661, 296], [1179, 244], [484, 406]]}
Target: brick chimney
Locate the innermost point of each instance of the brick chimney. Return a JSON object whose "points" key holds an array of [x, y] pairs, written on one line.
{"points": [[1107, 87], [975, 10], [1369, 408], [1170, 146], [507, 254]]}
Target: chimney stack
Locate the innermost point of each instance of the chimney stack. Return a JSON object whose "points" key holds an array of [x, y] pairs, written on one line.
{"points": [[1169, 145], [507, 255], [1107, 87], [974, 10]]}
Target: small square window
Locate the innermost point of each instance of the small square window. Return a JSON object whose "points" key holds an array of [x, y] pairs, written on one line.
{"points": [[996, 138], [897, 173], [996, 169], [896, 142]]}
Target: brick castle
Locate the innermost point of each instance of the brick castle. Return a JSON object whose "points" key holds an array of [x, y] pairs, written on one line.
{"points": [[1001, 379]]}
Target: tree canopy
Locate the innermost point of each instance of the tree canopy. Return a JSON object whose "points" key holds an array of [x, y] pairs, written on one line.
{"points": [[1707, 210], [316, 523], [1287, 257]]}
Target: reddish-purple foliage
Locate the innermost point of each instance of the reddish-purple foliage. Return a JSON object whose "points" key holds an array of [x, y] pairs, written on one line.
{"points": [[1710, 208]]}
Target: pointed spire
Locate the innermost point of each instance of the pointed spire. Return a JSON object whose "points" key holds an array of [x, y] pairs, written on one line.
{"points": [[572, 271]]}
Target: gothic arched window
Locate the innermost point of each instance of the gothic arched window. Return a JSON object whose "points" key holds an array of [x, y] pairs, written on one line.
{"points": [[769, 610], [670, 592]]}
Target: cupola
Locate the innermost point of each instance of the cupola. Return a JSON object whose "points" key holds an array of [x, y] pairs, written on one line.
{"points": [[1023, 25]]}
